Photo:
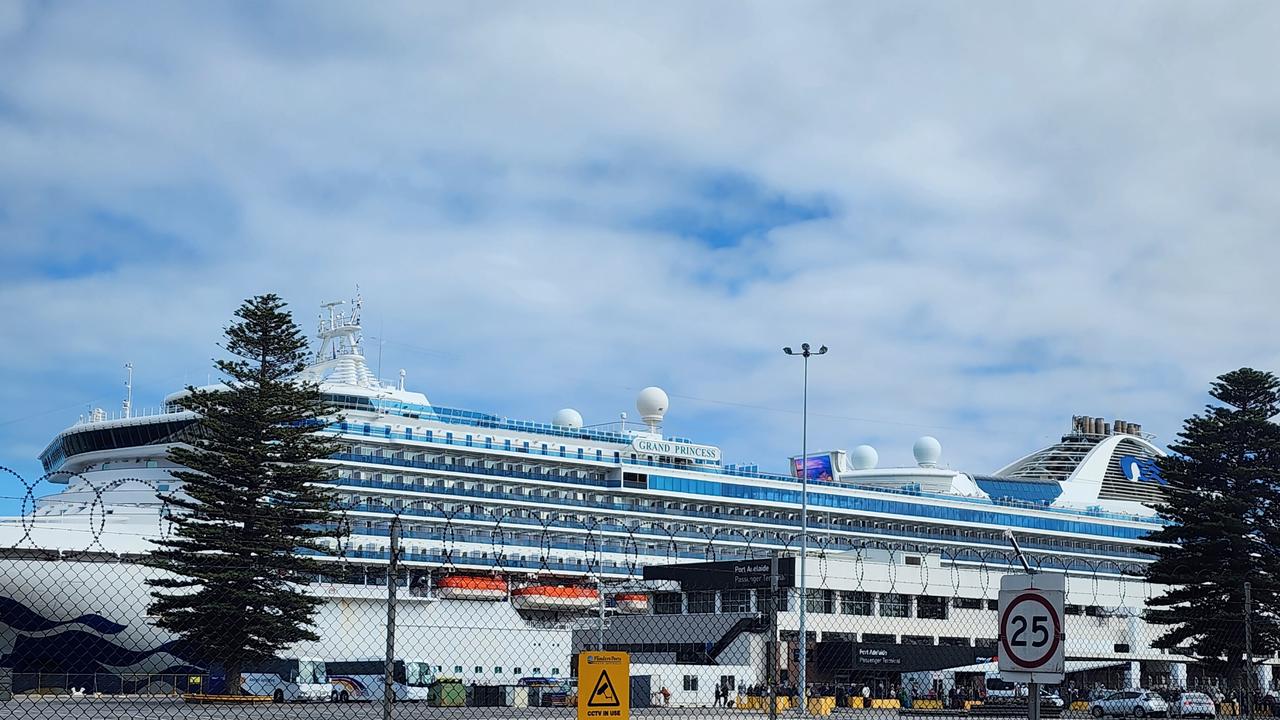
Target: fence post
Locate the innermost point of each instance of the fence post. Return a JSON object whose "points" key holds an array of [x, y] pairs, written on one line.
{"points": [[600, 618], [6, 684], [389, 662], [773, 635], [1248, 650]]}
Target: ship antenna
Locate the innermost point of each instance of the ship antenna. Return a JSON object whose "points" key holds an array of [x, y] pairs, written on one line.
{"points": [[128, 385]]}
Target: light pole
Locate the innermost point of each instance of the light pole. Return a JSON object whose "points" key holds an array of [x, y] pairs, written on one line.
{"points": [[804, 519]]}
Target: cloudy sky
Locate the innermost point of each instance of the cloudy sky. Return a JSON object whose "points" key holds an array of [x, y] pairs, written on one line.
{"points": [[996, 215]]}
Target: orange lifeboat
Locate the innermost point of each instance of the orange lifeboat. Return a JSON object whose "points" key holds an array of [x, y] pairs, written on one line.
{"points": [[471, 587], [562, 598], [632, 603]]}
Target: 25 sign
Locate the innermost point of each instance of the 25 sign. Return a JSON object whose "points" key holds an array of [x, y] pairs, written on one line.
{"points": [[1039, 626], [1030, 630]]}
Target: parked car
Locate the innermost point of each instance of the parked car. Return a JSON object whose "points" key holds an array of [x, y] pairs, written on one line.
{"points": [[1193, 704], [1138, 703], [1051, 699]]}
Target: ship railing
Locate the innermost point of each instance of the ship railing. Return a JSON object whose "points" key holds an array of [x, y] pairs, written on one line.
{"points": [[457, 561], [134, 413], [593, 504], [836, 544], [425, 465]]}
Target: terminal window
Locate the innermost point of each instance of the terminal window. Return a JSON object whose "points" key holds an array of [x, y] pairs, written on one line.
{"points": [[735, 601], [666, 603], [931, 608], [895, 605], [855, 603], [702, 601]]}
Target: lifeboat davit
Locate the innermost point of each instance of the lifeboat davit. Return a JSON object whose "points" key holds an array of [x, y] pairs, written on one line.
{"points": [[632, 603], [555, 597], [471, 587]]}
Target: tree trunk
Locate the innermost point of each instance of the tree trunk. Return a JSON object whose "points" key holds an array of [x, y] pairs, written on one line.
{"points": [[233, 680]]}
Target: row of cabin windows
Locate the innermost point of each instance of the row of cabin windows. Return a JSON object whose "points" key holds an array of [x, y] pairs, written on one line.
{"points": [[465, 462], [728, 533], [428, 484]]}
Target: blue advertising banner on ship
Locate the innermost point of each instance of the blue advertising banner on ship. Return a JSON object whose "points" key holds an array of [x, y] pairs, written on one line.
{"points": [[727, 575]]}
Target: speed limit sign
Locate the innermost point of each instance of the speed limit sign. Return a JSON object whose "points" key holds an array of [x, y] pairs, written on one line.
{"points": [[1031, 630]]}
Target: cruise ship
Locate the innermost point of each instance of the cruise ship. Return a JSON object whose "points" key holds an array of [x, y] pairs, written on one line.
{"points": [[525, 542]]}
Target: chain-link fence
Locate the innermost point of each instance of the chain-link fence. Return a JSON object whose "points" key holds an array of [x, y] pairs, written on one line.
{"points": [[486, 614]]}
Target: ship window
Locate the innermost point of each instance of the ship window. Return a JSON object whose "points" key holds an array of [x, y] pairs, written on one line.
{"points": [[162, 488], [457, 668], [691, 683], [555, 671], [479, 669], [497, 670]]}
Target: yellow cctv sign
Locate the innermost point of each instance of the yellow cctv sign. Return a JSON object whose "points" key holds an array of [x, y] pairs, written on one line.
{"points": [[604, 686]]}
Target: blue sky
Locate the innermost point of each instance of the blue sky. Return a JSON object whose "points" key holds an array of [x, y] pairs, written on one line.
{"points": [[996, 216]]}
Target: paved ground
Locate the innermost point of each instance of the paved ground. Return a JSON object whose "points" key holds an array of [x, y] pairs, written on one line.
{"points": [[168, 709]]}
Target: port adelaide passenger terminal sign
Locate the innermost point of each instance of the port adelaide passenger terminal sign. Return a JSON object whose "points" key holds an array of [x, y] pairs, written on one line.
{"points": [[604, 686], [1032, 642]]}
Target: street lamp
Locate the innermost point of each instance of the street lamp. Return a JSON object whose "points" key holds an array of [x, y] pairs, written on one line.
{"points": [[804, 518]]}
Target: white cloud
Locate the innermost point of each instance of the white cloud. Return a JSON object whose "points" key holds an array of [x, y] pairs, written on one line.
{"points": [[1078, 197]]}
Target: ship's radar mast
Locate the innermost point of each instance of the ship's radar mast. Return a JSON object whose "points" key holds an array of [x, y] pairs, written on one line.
{"points": [[339, 332], [339, 356]]}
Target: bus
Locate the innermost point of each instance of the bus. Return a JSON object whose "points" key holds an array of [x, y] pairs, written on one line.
{"points": [[364, 680], [287, 680], [418, 676]]}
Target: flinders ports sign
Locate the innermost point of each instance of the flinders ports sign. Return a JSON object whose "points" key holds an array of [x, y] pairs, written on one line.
{"points": [[734, 575]]}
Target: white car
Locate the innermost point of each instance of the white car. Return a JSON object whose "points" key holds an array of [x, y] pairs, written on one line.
{"points": [[1193, 704], [1138, 703], [1051, 699]]}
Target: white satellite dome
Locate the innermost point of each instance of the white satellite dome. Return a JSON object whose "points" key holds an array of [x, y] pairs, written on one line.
{"points": [[568, 417], [863, 457], [652, 402], [927, 451]]}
